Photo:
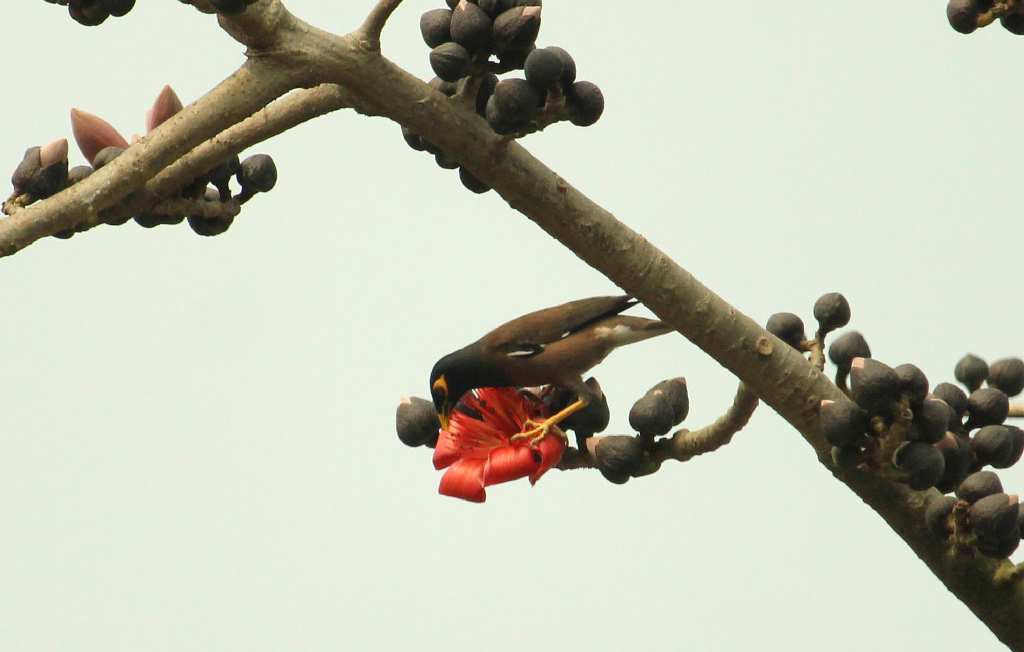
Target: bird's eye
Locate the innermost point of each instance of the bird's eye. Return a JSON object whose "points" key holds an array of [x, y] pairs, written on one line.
{"points": [[440, 390]]}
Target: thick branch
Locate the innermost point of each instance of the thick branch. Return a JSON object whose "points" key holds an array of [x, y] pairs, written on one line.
{"points": [[686, 444]]}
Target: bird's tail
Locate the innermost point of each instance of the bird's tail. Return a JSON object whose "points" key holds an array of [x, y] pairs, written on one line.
{"points": [[627, 330]]}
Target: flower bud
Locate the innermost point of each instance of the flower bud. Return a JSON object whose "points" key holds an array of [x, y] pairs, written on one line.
{"points": [[257, 173], [831, 311], [106, 155], [787, 327], [953, 396], [937, 515], [978, 485], [923, 463], [119, 8], [651, 415], [994, 517], [449, 61], [993, 445], [88, 12], [962, 15], [543, 67], [843, 422], [43, 171], [471, 27], [986, 406], [844, 349], [515, 101], [230, 7], [585, 102], [930, 422], [848, 456], [971, 371], [165, 106], [93, 133], [594, 417], [913, 383], [1014, 23], [516, 27], [1007, 375], [79, 173], [416, 422], [435, 27], [873, 385], [619, 457]]}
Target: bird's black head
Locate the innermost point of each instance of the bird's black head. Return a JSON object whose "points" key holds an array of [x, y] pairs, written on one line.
{"points": [[459, 372], [447, 386]]}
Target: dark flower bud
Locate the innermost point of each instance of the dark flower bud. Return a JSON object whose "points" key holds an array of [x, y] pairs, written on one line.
{"points": [[452, 4], [470, 28], [445, 162], [257, 173], [994, 517], [491, 7], [962, 15], [937, 513], [677, 395], [568, 66], [923, 463], [1007, 375], [1000, 549], [449, 61], [873, 384], [831, 311], [985, 407], [585, 102], [787, 327], [913, 383], [517, 27], [106, 155], [592, 418], [119, 8], [993, 445], [416, 422], [652, 415], [931, 420], [79, 173], [1014, 23], [847, 457], [978, 485], [958, 461], [471, 182], [435, 26], [230, 7], [150, 220], [443, 87], [1017, 436], [505, 5], [43, 171], [543, 67], [619, 457], [844, 349], [515, 102], [971, 371], [515, 58], [209, 226], [843, 422], [88, 12], [953, 396]]}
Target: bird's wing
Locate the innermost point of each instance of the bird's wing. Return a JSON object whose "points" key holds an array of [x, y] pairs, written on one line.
{"points": [[528, 335]]}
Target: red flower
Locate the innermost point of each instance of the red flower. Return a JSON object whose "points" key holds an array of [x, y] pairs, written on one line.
{"points": [[477, 449]]}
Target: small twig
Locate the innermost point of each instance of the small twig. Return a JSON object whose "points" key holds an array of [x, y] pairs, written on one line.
{"points": [[1017, 410], [817, 349], [374, 23], [686, 444]]}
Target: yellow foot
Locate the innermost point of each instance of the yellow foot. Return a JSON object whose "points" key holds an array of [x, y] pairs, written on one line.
{"points": [[539, 432]]}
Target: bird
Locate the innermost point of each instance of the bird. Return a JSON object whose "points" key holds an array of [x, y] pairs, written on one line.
{"points": [[554, 346]]}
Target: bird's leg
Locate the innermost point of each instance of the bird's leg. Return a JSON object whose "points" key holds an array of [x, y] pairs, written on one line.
{"points": [[541, 430]]}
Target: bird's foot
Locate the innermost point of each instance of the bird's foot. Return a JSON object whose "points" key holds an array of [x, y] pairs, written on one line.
{"points": [[539, 431]]}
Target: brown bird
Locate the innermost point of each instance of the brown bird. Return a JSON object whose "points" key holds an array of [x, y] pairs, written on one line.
{"points": [[554, 346]]}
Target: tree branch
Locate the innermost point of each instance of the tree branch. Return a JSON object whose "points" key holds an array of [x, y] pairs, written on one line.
{"points": [[374, 24]]}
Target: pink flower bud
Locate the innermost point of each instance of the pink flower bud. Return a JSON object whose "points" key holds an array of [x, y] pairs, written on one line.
{"points": [[166, 105], [93, 133]]}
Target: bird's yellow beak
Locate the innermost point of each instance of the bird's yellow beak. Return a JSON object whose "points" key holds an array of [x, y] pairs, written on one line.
{"points": [[444, 417]]}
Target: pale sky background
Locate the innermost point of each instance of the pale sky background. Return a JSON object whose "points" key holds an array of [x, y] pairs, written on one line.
{"points": [[197, 446]]}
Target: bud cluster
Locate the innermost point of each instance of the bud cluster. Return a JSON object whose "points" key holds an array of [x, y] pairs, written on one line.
{"points": [[93, 12], [465, 36], [965, 16], [980, 516], [44, 171]]}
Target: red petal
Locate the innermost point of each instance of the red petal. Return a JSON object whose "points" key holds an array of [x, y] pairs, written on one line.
{"points": [[464, 479], [93, 133], [550, 449], [446, 452], [509, 463]]}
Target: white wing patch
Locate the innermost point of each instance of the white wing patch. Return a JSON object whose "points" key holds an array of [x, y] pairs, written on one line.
{"points": [[620, 334]]}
